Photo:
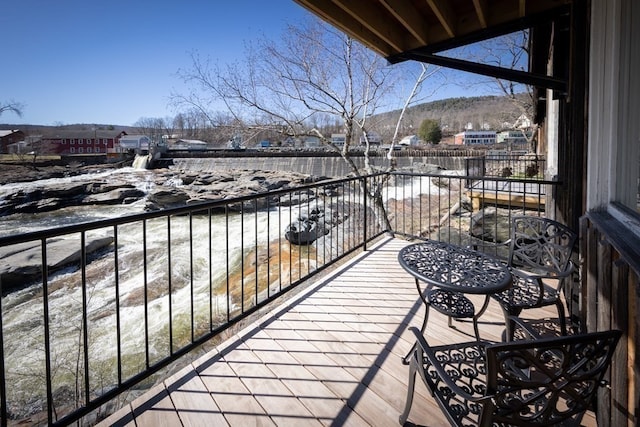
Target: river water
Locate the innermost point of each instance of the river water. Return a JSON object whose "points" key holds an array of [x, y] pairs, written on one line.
{"points": [[193, 278]]}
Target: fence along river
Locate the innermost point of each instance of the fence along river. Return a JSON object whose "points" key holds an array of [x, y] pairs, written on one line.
{"points": [[330, 166]]}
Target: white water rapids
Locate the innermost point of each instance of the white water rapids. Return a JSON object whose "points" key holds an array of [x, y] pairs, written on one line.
{"points": [[23, 310]]}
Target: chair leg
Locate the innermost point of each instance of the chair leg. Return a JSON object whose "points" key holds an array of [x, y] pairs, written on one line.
{"points": [[476, 316], [508, 324], [563, 321], [410, 390], [405, 359]]}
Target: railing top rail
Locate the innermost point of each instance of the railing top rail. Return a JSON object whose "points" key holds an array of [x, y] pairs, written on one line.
{"points": [[482, 178], [217, 204]]}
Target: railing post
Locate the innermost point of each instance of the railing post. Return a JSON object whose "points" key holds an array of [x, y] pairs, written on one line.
{"points": [[366, 196], [3, 385]]}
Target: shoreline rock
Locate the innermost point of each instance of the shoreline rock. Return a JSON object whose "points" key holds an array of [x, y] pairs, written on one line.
{"points": [[21, 265], [167, 188]]}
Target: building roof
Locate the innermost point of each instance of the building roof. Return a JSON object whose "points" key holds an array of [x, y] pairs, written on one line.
{"points": [[87, 134], [134, 136], [6, 132]]}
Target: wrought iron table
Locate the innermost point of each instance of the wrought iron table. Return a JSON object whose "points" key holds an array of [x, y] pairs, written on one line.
{"points": [[449, 272]]}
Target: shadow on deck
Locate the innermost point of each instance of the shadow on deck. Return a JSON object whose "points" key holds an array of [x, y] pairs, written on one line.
{"points": [[330, 355]]}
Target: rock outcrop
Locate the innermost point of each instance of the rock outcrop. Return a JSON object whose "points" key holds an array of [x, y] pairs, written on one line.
{"points": [[166, 188], [21, 264]]}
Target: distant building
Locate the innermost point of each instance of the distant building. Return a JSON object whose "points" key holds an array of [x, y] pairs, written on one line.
{"points": [[136, 143], [70, 142], [312, 142], [338, 139], [20, 147], [513, 137], [8, 137], [373, 137], [475, 137], [410, 140], [523, 122]]}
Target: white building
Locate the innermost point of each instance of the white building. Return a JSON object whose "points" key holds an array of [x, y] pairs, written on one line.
{"points": [[409, 140], [374, 138], [512, 137], [523, 122], [135, 142], [475, 137], [338, 139]]}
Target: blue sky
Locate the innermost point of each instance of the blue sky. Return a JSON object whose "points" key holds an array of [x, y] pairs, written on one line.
{"points": [[113, 62]]}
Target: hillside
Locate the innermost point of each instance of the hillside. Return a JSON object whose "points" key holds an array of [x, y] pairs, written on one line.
{"points": [[453, 113]]}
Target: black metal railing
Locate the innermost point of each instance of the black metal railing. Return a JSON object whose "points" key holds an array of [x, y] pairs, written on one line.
{"points": [[523, 166], [464, 210], [91, 310]]}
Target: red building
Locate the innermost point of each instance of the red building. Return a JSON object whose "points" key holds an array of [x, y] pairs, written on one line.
{"points": [[70, 142]]}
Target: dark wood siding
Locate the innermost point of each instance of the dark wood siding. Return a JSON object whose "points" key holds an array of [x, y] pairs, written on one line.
{"points": [[610, 298]]}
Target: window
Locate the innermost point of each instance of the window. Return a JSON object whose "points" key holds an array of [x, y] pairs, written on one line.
{"points": [[73, 141], [80, 150], [614, 112], [72, 150], [88, 149]]}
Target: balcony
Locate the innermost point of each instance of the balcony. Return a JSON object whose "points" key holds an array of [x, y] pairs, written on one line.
{"points": [[326, 322], [330, 355]]}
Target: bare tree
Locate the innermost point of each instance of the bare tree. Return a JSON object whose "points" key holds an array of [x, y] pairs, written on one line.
{"points": [[313, 74], [12, 106], [511, 51], [152, 127]]}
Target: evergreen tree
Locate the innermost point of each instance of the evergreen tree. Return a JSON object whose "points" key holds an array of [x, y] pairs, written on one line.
{"points": [[430, 131]]}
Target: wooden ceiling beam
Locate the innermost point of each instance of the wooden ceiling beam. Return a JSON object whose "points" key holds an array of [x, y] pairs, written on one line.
{"points": [[374, 18], [409, 17], [496, 30], [444, 13], [394, 27], [481, 11], [525, 77], [343, 21]]}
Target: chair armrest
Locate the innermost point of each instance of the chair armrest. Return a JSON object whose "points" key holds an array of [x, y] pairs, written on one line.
{"points": [[524, 274], [442, 374]]}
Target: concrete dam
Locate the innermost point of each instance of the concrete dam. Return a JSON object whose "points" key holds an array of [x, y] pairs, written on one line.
{"points": [[319, 165]]}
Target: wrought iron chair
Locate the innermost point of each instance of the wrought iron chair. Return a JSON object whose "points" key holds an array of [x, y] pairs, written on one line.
{"points": [[530, 382], [539, 249]]}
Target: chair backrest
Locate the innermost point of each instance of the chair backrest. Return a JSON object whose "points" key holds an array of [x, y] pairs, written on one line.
{"points": [[546, 381], [541, 245]]}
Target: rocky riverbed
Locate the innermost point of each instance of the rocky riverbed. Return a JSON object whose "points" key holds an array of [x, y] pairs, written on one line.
{"points": [[162, 188]]}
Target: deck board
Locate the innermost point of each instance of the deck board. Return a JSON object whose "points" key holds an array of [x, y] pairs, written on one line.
{"points": [[330, 356]]}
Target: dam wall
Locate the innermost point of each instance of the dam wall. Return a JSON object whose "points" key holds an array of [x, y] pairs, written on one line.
{"points": [[334, 167]]}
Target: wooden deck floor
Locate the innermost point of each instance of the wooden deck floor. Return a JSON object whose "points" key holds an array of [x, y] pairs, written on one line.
{"points": [[330, 355]]}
